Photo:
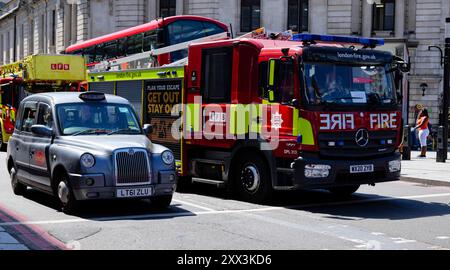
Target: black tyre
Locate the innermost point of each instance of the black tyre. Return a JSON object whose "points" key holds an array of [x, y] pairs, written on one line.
{"points": [[252, 179], [344, 191], [161, 202], [2, 144], [69, 205], [17, 187], [184, 184]]}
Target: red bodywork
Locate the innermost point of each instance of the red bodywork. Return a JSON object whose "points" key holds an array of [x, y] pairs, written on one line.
{"points": [[248, 53]]}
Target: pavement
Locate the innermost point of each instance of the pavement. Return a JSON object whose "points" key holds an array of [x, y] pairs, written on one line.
{"points": [[16, 235], [426, 170]]}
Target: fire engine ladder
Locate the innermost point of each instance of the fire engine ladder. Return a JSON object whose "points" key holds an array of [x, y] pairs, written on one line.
{"points": [[146, 59]]}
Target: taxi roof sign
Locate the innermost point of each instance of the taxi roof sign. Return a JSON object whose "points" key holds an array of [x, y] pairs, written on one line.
{"points": [[370, 42], [92, 96]]}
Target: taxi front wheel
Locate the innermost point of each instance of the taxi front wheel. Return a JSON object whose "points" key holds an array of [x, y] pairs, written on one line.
{"points": [[17, 187], [161, 202], [69, 204]]}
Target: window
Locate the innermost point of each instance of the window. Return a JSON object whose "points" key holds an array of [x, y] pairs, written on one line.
{"points": [[110, 50], [41, 34], [29, 116], [134, 44], [216, 70], [184, 30], [53, 37], [31, 38], [150, 41], [298, 15], [285, 90], [384, 15], [22, 42], [1, 49], [167, 8], [45, 116], [250, 15], [263, 69]]}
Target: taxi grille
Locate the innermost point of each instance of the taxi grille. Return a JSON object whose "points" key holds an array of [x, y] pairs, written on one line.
{"points": [[132, 167]]}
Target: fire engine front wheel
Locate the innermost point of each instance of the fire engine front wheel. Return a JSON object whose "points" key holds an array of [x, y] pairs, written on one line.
{"points": [[252, 179], [344, 191]]}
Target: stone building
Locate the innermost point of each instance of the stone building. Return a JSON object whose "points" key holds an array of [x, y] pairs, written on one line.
{"points": [[409, 26]]}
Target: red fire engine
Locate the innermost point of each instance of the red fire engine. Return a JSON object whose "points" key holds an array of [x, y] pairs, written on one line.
{"points": [[320, 112]]}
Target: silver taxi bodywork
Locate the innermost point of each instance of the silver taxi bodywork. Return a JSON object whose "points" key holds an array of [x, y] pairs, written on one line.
{"points": [[126, 166]]}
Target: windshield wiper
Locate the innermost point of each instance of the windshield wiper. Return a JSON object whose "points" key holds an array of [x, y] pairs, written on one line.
{"points": [[89, 131], [127, 130]]}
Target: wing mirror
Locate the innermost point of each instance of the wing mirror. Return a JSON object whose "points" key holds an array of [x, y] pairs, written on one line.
{"points": [[148, 129], [42, 130]]}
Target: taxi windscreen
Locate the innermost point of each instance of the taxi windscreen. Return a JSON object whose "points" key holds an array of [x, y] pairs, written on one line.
{"points": [[94, 118]]}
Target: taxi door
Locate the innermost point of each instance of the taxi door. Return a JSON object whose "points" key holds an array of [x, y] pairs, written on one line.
{"points": [[39, 147], [20, 142]]}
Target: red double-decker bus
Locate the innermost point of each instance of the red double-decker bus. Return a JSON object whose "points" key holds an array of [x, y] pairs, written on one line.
{"points": [[154, 35]]}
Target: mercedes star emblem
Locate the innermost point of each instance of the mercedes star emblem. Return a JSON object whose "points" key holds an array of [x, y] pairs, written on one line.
{"points": [[362, 137]]}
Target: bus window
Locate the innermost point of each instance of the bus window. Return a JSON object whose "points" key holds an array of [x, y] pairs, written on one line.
{"points": [[184, 30], [134, 44], [89, 54], [210, 29], [110, 50], [150, 41], [122, 46]]}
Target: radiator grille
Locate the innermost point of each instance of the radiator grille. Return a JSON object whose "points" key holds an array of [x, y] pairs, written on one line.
{"points": [[132, 167]]}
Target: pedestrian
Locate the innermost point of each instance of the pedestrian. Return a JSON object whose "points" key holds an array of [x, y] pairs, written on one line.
{"points": [[422, 126]]}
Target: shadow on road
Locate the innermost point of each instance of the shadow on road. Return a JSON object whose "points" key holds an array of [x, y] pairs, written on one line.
{"points": [[108, 210], [355, 207]]}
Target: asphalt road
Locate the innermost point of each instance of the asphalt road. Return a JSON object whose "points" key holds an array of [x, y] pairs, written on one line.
{"points": [[399, 215]]}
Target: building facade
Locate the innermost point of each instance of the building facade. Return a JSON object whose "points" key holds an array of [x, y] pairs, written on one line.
{"points": [[409, 27]]}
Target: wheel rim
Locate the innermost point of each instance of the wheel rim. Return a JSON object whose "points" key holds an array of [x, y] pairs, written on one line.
{"points": [[250, 178], [63, 192], [13, 178]]}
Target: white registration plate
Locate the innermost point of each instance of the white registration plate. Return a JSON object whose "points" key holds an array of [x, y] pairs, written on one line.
{"points": [[134, 192], [362, 168]]}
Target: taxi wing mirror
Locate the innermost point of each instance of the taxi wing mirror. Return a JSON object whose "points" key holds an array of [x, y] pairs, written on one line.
{"points": [[148, 129], [42, 130]]}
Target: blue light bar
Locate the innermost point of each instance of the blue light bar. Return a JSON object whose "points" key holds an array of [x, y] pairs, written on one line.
{"points": [[339, 39]]}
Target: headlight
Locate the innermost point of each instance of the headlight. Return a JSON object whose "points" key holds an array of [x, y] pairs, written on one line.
{"points": [[167, 157], [87, 160], [395, 166]]}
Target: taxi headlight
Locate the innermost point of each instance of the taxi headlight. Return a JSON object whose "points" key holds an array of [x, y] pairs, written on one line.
{"points": [[167, 157], [87, 160]]}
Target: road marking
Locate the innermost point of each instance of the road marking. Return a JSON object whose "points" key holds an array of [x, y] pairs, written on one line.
{"points": [[194, 205], [443, 237], [210, 211], [399, 240]]}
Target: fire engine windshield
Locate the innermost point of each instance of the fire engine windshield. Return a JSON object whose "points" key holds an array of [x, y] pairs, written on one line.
{"points": [[348, 85]]}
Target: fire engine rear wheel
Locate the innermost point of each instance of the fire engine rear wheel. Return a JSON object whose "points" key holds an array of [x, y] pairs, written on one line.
{"points": [[252, 179], [184, 183], [344, 191]]}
